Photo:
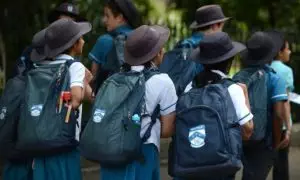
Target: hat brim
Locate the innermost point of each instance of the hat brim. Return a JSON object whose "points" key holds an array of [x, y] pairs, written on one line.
{"points": [[195, 24], [84, 27], [163, 38], [53, 16], [237, 48], [248, 60], [36, 56]]}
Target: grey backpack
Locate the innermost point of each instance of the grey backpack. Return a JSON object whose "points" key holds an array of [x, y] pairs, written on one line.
{"points": [[112, 135], [256, 80], [45, 127]]}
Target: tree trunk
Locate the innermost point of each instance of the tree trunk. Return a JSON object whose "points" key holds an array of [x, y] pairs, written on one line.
{"points": [[3, 61]]}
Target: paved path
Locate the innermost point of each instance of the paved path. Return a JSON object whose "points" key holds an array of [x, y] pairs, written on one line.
{"points": [[294, 169]]}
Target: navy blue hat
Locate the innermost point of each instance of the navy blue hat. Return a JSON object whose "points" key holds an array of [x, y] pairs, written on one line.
{"points": [[261, 49], [68, 9], [216, 48]]}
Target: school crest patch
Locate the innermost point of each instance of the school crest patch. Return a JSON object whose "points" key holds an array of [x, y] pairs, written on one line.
{"points": [[98, 115], [197, 136], [3, 113], [36, 110], [70, 8]]}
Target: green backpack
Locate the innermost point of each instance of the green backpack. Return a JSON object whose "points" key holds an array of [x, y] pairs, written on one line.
{"points": [[112, 135], [43, 128], [10, 102]]}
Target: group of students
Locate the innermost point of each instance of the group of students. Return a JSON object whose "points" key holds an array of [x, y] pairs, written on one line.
{"points": [[217, 124]]}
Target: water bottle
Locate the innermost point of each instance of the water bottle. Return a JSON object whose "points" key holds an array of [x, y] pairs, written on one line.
{"points": [[136, 119]]}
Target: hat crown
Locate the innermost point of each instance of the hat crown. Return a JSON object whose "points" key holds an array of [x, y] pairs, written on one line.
{"points": [[68, 8], [259, 45], [259, 40], [215, 45], [209, 13], [61, 32], [141, 42]]}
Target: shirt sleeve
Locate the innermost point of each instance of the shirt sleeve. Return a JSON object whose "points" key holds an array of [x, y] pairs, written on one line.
{"points": [[290, 80], [239, 101], [77, 74], [278, 90], [168, 98], [100, 50]]}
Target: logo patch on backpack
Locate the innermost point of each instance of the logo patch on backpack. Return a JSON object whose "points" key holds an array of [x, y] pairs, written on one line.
{"points": [[98, 115], [197, 136], [3, 113], [36, 110]]}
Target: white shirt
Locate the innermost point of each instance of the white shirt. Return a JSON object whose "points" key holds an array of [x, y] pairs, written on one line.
{"points": [[238, 98], [77, 74], [159, 90]]}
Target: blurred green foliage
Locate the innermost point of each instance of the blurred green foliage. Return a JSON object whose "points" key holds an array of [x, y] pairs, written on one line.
{"points": [[21, 19]]}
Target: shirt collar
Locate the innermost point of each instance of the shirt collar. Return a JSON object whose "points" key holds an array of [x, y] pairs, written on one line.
{"points": [[137, 68], [197, 37], [123, 28], [277, 61], [59, 59], [64, 57], [220, 73]]}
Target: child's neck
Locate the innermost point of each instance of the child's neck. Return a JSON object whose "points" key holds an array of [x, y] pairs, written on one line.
{"points": [[72, 53]]}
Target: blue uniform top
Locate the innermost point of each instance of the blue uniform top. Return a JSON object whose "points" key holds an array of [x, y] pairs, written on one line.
{"points": [[104, 45]]}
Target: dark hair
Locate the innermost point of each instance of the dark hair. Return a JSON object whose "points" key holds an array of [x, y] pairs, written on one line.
{"points": [[208, 77], [114, 7], [205, 28], [284, 45]]}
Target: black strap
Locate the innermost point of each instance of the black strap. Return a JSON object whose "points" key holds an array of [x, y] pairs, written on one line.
{"points": [[148, 74], [155, 115]]}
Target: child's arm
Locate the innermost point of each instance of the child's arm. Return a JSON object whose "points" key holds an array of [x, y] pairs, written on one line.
{"points": [[88, 92]]}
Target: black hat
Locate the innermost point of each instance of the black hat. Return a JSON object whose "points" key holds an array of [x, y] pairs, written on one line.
{"points": [[130, 12], [208, 15], [215, 48], [261, 49], [68, 9], [62, 34]]}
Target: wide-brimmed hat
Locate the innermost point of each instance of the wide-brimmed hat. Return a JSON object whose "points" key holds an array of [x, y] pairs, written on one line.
{"points": [[62, 34], [38, 46], [277, 38], [208, 15], [216, 48], [261, 49], [68, 9], [130, 12], [144, 43]]}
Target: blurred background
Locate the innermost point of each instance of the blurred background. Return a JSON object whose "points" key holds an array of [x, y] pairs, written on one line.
{"points": [[20, 19]]}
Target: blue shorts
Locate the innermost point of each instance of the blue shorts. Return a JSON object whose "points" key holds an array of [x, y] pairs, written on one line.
{"points": [[64, 166], [17, 171], [148, 170]]}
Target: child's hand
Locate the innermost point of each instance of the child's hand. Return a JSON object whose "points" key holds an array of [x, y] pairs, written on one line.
{"points": [[88, 76]]}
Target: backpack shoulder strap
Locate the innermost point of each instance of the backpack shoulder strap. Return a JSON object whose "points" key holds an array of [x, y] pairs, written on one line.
{"points": [[148, 74], [227, 82], [70, 62], [186, 43]]}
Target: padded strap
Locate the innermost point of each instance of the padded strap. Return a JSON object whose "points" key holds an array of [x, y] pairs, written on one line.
{"points": [[148, 74]]}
